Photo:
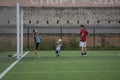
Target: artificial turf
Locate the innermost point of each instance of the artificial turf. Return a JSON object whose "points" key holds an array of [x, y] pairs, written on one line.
{"points": [[97, 65]]}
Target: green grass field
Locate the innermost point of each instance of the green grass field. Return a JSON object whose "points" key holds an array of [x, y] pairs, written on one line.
{"points": [[97, 65], [5, 61]]}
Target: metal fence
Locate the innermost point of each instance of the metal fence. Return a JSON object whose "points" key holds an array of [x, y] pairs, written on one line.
{"points": [[99, 36]]}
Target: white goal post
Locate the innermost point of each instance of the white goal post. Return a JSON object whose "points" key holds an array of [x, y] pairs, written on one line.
{"points": [[19, 21]]}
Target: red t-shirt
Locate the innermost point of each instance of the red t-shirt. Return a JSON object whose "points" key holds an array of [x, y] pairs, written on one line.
{"points": [[83, 35]]}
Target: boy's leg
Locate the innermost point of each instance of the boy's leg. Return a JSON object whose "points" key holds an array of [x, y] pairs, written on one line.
{"points": [[82, 50], [36, 51], [85, 50], [56, 53]]}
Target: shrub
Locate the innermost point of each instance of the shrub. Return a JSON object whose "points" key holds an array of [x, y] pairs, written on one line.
{"points": [[73, 45]]}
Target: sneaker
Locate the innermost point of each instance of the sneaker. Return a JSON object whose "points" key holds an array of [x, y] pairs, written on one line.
{"points": [[58, 55], [84, 54], [81, 54]]}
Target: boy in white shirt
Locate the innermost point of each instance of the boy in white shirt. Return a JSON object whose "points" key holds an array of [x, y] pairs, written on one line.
{"points": [[58, 47]]}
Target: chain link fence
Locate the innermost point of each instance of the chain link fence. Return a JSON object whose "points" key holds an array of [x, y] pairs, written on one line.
{"points": [[99, 36]]}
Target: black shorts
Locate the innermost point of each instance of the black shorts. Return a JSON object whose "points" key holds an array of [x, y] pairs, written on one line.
{"points": [[37, 46]]}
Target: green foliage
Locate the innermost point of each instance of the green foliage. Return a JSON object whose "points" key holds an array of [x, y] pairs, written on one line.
{"points": [[73, 42], [65, 46], [104, 48], [48, 45], [72, 45]]}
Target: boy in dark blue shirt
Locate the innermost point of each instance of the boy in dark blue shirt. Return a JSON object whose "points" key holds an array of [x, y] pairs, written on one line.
{"points": [[37, 42]]}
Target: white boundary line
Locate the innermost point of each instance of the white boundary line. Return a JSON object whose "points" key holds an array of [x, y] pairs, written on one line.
{"points": [[11, 66]]}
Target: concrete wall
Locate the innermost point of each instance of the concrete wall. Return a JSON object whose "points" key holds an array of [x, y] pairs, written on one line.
{"points": [[62, 16]]}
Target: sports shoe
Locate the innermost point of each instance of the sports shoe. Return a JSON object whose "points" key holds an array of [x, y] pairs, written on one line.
{"points": [[58, 55], [84, 54], [81, 54]]}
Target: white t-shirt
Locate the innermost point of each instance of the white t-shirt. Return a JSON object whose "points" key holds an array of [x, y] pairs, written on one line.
{"points": [[58, 47]]}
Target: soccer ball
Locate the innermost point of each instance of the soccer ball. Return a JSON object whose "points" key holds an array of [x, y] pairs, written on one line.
{"points": [[60, 41]]}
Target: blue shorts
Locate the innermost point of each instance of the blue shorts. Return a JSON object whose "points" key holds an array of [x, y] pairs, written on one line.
{"points": [[57, 51]]}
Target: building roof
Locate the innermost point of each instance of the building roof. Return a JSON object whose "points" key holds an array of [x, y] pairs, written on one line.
{"points": [[62, 3]]}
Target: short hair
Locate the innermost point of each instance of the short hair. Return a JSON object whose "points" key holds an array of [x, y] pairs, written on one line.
{"points": [[82, 25], [33, 30]]}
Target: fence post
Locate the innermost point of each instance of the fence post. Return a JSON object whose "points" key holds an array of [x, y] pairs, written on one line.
{"points": [[28, 32], [94, 37], [103, 40], [61, 32]]}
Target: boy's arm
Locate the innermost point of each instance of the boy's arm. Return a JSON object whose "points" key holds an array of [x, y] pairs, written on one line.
{"points": [[81, 36], [61, 44]]}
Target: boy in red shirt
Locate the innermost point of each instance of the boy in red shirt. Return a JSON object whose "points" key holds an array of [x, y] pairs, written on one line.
{"points": [[83, 35]]}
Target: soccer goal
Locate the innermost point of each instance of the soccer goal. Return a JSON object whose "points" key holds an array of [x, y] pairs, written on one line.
{"points": [[11, 32]]}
